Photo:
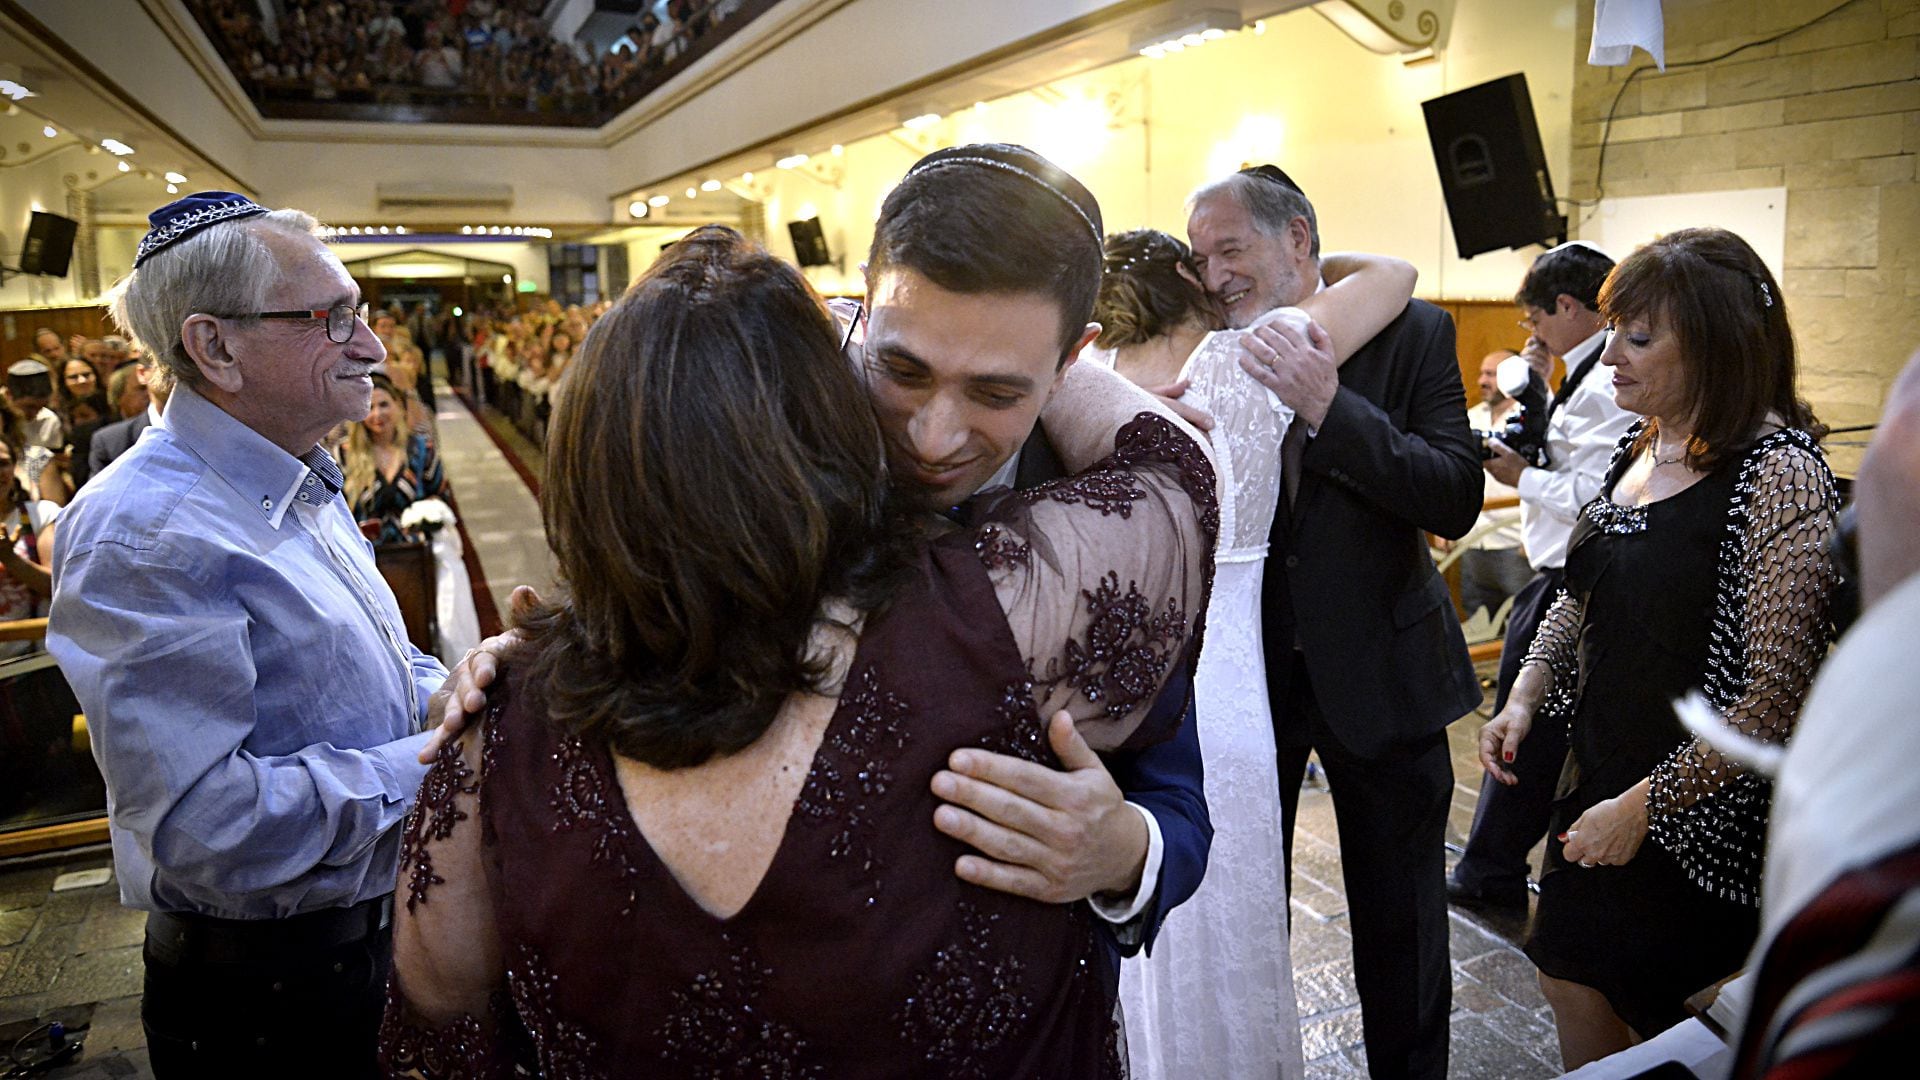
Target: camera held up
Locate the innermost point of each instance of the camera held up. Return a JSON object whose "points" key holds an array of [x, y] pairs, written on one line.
{"points": [[1525, 432]]}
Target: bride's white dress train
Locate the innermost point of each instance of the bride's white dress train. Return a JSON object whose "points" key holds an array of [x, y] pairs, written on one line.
{"points": [[1215, 998]]}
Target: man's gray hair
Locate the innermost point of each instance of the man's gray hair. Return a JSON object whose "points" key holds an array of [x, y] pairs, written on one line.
{"points": [[1272, 206], [221, 270]]}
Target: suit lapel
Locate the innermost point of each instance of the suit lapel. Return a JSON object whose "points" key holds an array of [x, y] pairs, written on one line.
{"points": [[1038, 462]]}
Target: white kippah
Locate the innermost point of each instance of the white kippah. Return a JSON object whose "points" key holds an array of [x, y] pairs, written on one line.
{"points": [[1595, 248]]}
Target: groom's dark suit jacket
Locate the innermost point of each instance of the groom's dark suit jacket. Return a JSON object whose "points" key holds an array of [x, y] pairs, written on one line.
{"points": [[1165, 780], [1349, 578]]}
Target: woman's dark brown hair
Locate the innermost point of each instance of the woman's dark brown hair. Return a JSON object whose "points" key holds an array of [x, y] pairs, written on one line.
{"points": [[723, 477], [1143, 294], [1730, 321]]}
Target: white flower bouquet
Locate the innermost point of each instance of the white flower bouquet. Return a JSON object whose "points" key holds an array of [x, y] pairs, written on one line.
{"points": [[426, 516]]}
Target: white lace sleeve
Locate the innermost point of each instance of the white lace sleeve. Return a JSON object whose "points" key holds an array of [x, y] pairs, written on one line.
{"points": [[1248, 425]]}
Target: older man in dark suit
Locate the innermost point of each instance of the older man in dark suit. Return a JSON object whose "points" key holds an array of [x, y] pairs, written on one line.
{"points": [[118, 437], [1365, 660]]}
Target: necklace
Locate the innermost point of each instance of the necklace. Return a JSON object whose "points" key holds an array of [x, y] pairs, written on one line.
{"points": [[1674, 460]]}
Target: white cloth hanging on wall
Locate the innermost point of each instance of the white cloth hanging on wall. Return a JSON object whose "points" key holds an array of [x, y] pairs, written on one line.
{"points": [[1621, 25]]}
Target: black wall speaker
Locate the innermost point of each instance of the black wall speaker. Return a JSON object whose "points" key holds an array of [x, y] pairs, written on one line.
{"points": [[49, 246], [809, 243], [1492, 169]]}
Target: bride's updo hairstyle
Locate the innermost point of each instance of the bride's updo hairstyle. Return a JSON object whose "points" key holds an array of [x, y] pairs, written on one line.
{"points": [[994, 218], [1729, 318], [1144, 294], [717, 475]]}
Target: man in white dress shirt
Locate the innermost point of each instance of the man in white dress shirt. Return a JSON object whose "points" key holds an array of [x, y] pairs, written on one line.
{"points": [[1559, 302]]}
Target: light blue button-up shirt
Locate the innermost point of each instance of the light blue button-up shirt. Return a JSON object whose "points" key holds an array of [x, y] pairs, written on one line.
{"points": [[252, 697]]}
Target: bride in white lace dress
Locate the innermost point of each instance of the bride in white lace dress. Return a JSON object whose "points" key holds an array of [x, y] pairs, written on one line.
{"points": [[1215, 997]]}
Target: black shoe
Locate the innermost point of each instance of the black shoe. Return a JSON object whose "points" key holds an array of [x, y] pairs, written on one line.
{"points": [[1495, 902]]}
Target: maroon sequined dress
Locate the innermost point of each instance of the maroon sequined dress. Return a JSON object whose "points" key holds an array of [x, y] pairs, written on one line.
{"points": [[860, 954]]}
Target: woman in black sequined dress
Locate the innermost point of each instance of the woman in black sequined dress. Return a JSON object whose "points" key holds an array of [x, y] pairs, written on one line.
{"points": [[1702, 565]]}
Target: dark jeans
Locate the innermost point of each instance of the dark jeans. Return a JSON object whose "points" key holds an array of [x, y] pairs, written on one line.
{"points": [[1509, 820], [1391, 811], [291, 1012]]}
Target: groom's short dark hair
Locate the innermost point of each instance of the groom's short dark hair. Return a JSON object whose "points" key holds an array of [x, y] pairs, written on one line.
{"points": [[995, 219]]}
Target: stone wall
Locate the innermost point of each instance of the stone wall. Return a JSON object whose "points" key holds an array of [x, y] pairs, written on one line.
{"points": [[1831, 113]]}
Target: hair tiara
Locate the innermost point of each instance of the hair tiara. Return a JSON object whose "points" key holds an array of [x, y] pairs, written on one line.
{"points": [[982, 154]]}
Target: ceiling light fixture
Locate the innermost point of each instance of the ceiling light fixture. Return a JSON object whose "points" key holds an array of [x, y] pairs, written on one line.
{"points": [[693, 193], [173, 189], [637, 208], [921, 122], [176, 178], [792, 161], [124, 167], [1189, 32], [659, 200], [709, 185], [115, 147], [50, 131], [13, 91]]}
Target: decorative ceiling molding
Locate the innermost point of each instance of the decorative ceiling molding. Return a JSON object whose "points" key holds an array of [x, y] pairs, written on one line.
{"points": [[1390, 27]]}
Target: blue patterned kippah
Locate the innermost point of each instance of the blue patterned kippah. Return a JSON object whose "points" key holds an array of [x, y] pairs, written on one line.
{"points": [[183, 217]]}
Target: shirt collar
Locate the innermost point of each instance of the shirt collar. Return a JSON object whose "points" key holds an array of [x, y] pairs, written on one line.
{"points": [[1581, 351], [265, 476], [1003, 476]]}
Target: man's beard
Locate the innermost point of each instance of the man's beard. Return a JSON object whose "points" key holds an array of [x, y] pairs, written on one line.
{"points": [[1285, 284]]}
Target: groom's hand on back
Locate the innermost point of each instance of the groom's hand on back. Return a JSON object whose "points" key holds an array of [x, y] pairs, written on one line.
{"points": [[1053, 835]]}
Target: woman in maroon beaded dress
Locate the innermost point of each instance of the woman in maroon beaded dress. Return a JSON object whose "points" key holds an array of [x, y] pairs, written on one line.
{"points": [[690, 837]]}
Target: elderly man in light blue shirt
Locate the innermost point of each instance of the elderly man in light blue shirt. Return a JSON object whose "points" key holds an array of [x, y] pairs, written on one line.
{"points": [[254, 703]]}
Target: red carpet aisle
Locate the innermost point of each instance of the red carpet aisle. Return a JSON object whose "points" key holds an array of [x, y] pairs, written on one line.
{"points": [[499, 516]]}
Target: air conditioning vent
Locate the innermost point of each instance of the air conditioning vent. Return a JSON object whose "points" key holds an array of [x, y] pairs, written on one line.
{"points": [[443, 196]]}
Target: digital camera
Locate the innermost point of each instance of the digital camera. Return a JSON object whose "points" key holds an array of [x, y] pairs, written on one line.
{"points": [[1525, 432]]}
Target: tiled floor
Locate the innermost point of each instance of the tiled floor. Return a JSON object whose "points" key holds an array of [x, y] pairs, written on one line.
{"points": [[1502, 1028], [79, 946]]}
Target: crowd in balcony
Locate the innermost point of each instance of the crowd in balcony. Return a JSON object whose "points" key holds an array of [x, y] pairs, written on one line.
{"points": [[496, 55]]}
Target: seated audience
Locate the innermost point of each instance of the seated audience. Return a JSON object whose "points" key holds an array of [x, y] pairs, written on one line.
{"points": [[1704, 560], [388, 467], [26, 550], [500, 57], [761, 665]]}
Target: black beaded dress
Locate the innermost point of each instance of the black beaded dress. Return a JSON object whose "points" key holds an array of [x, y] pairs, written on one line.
{"points": [[860, 954], [1722, 587]]}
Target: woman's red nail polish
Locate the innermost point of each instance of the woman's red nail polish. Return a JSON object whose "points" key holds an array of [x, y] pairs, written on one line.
{"points": [[1562, 838], [1507, 754]]}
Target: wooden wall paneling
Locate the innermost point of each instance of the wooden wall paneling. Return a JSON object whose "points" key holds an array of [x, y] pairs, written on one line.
{"points": [[17, 327], [1481, 326]]}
